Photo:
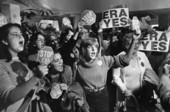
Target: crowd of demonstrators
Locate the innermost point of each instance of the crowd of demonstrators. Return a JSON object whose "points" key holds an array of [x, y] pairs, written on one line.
{"points": [[78, 79], [16, 79], [92, 69], [71, 97]]}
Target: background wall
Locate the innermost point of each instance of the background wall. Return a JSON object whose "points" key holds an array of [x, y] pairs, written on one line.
{"points": [[134, 5], [73, 8]]}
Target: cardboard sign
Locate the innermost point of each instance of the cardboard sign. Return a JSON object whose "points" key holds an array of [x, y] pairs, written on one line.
{"points": [[117, 17], [88, 17], [157, 41], [45, 55], [3, 20], [15, 13], [56, 25], [56, 92]]}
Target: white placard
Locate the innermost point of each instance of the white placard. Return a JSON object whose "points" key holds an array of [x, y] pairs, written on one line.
{"points": [[118, 17], [156, 41], [15, 13]]}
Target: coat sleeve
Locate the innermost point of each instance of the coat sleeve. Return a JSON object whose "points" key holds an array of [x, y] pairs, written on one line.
{"points": [[5, 84], [120, 60], [164, 91]]}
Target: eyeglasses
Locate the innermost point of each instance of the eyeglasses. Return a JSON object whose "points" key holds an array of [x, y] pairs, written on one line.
{"points": [[16, 35]]}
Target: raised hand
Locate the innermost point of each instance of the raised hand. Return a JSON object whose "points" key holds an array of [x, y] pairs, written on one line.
{"points": [[41, 71], [80, 26], [136, 28], [63, 86]]}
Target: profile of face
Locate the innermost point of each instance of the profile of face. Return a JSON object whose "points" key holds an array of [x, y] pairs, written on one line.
{"points": [[76, 52], [15, 40], [70, 34], [57, 62], [127, 42], [91, 52], [40, 42], [114, 39]]}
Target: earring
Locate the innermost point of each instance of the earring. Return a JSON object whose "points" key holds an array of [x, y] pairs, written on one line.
{"points": [[4, 42]]}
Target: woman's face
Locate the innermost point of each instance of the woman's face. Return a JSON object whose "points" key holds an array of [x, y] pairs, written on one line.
{"points": [[15, 40], [70, 34], [136, 47], [57, 62], [91, 52], [84, 34], [76, 52], [40, 41], [128, 42]]}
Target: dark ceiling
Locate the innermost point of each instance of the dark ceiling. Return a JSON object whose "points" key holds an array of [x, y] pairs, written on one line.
{"points": [[152, 13]]}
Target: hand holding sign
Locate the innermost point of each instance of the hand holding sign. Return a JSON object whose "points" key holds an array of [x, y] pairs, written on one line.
{"points": [[80, 26], [41, 71], [88, 17], [135, 23], [66, 22], [63, 86], [45, 55], [55, 91], [136, 27]]}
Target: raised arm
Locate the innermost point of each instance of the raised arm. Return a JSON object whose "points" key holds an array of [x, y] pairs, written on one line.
{"points": [[15, 93]]}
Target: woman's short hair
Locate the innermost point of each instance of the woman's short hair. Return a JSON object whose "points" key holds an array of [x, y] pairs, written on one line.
{"points": [[88, 42], [4, 32]]}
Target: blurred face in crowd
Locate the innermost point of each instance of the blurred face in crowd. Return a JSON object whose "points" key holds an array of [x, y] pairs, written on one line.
{"points": [[84, 33], [127, 42], [15, 40], [91, 52], [40, 41], [114, 39], [70, 34], [54, 41], [76, 52], [127, 39], [57, 62]]}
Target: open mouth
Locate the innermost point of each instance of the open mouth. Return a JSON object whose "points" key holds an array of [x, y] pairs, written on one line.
{"points": [[21, 43], [93, 54]]}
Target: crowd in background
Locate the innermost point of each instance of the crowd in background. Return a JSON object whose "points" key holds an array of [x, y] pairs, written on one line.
{"points": [[97, 70]]}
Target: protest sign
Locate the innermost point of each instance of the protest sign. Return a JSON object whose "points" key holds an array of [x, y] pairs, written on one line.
{"points": [[88, 17], [3, 20], [155, 41], [55, 91], [56, 25], [15, 13], [117, 17], [45, 55]]}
